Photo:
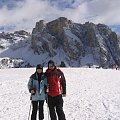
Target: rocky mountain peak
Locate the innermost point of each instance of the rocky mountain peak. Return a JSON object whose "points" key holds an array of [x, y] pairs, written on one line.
{"points": [[76, 41], [63, 40], [58, 25], [39, 27]]}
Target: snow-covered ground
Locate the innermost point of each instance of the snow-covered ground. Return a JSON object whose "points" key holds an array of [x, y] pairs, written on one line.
{"points": [[92, 94]]}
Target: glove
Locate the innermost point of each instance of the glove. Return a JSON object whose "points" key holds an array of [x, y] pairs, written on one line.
{"points": [[64, 95]]}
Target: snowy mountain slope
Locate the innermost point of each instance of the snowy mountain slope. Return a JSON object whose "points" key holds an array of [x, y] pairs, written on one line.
{"points": [[92, 94], [13, 46]]}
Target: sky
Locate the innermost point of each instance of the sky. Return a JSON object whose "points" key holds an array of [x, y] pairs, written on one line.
{"points": [[92, 94], [23, 14]]}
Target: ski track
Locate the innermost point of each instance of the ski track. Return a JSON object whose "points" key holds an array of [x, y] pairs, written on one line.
{"points": [[91, 94]]}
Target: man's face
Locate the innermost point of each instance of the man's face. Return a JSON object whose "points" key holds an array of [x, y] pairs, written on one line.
{"points": [[51, 66]]}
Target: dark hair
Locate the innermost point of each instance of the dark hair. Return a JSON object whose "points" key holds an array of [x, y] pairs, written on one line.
{"points": [[39, 66], [51, 62]]}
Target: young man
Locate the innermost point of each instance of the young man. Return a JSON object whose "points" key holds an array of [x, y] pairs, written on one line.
{"points": [[56, 90], [37, 87]]}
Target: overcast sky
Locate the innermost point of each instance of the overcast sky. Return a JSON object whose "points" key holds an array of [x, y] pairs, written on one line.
{"points": [[23, 14]]}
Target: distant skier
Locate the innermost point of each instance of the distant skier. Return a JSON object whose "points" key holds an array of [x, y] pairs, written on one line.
{"points": [[55, 90], [62, 64], [37, 87]]}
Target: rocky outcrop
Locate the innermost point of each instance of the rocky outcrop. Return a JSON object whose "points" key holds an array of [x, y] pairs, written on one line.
{"points": [[22, 32], [76, 41], [16, 39]]}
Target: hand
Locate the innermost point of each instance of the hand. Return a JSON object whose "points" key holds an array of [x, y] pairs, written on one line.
{"points": [[64, 95], [47, 89], [32, 92]]}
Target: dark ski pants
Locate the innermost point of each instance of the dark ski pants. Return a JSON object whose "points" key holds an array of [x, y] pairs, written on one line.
{"points": [[55, 105], [37, 105]]}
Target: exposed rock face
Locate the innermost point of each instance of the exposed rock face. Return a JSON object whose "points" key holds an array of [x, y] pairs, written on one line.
{"points": [[41, 39], [22, 32], [76, 41], [11, 39]]}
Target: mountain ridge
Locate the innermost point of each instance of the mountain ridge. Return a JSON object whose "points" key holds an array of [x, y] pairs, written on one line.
{"points": [[76, 44]]}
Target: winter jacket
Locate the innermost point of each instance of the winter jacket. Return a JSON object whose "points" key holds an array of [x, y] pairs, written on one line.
{"points": [[38, 86], [56, 82]]}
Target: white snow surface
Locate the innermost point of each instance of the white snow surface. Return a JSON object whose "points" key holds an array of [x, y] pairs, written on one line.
{"points": [[92, 94]]}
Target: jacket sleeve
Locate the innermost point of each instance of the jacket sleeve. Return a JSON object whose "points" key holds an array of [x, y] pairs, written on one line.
{"points": [[45, 80], [45, 85], [63, 81], [30, 84]]}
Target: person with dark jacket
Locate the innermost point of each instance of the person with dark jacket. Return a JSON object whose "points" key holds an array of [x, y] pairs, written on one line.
{"points": [[56, 89], [37, 87]]}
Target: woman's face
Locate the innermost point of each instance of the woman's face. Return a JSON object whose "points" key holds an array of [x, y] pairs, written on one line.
{"points": [[39, 70]]}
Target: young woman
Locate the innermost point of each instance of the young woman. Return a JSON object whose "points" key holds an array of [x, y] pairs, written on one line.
{"points": [[37, 87]]}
